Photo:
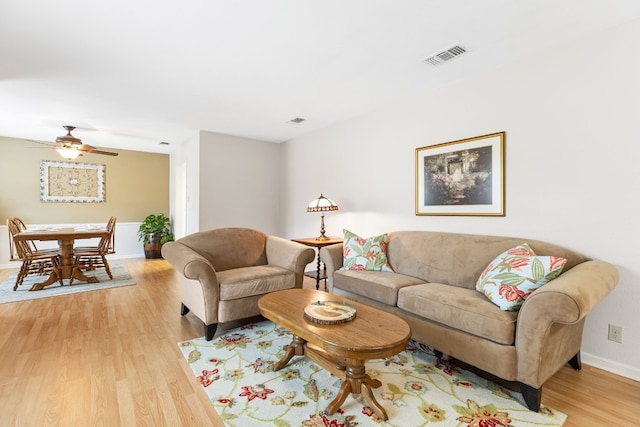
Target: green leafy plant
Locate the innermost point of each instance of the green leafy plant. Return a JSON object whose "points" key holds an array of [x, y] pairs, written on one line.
{"points": [[153, 224]]}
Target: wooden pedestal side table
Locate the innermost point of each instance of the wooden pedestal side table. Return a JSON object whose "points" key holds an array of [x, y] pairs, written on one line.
{"points": [[315, 243], [340, 348]]}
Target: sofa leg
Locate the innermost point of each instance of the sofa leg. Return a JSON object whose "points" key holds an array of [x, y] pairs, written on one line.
{"points": [[575, 362], [183, 309], [210, 331], [532, 396]]}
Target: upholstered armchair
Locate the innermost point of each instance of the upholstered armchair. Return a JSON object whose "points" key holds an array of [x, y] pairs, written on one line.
{"points": [[224, 272]]}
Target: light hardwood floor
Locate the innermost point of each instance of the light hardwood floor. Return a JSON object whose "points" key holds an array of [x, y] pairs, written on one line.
{"points": [[109, 358]]}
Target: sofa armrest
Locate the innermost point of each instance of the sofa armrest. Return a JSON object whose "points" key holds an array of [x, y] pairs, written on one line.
{"points": [[190, 264], [290, 255], [199, 287], [331, 256], [550, 322]]}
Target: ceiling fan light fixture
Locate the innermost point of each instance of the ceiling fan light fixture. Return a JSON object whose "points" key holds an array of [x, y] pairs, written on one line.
{"points": [[68, 152], [71, 147]]}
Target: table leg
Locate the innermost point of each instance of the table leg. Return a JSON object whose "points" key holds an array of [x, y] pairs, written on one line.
{"points": [[66, 257], [79, 275], [357, 382], [295, 348], [66, 263], [318, 272], [53, 278], [65, 270]]}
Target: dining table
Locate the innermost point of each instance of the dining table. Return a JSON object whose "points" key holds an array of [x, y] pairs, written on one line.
{"points": [[66, 238]]}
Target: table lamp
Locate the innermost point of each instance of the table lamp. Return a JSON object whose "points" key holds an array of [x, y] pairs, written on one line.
{"points": [[322, 204]]}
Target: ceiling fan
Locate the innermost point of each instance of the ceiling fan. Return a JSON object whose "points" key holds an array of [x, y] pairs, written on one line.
{"points": [[71, 147]]}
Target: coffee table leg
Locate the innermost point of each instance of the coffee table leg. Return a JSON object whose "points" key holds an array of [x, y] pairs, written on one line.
{"points": [[295, 348], [367, 393], [357, 382], [345, 390]]}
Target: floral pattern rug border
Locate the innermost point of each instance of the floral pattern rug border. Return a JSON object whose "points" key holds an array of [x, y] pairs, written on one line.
{"points": [[419, 389]]}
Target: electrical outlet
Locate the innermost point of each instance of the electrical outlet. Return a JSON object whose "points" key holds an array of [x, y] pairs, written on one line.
{"points": [[615, 333]]}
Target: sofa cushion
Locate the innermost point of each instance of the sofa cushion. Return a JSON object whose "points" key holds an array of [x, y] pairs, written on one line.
{"points": [[458, 259], [365, 254], [377, 285], [459, 308], [249, 281], [510, 278]]}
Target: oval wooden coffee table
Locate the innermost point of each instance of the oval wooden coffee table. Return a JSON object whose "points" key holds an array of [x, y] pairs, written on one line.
{"points": [[340, 348]]}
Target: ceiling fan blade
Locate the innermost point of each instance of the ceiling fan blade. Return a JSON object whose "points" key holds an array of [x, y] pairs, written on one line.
{"points": [[85, 147], [91, 149], [107, 153], [44, 144]]}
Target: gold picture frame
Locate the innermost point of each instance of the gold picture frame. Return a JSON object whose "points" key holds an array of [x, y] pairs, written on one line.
{"points": [[71, 182], [464, 177]]}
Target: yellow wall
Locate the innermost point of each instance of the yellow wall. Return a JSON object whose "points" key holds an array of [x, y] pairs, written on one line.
{"points": [[136, 184]]}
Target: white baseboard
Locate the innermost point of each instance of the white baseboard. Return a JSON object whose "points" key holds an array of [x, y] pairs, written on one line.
{"points": [[621, 369]]}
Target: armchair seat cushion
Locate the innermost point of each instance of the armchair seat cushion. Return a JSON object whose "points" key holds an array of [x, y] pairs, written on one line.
{"points": [[460, 308], [378, 285], [250, 281]]}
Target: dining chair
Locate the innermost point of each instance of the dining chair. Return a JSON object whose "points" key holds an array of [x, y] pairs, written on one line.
{"points": [[13, 254], [92, 257], [22, 227], [34, 261], [32, 243]]}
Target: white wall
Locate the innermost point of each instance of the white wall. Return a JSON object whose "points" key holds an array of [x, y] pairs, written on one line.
{"points": [[185, 157], [572, 122], [231, 182]]}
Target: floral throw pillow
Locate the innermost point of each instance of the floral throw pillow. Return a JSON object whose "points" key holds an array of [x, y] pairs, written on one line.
{"points": [[365, 254], [514, 274]]}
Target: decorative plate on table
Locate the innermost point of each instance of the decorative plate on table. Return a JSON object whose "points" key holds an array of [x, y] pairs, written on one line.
{"points": [[329, 312]]}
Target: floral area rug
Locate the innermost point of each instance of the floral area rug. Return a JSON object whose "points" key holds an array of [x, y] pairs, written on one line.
{"points": [[120, 274], [418, 388]]}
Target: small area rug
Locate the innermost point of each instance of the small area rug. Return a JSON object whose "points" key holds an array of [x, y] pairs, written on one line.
{"points": [[418, 388], [120, 274]]}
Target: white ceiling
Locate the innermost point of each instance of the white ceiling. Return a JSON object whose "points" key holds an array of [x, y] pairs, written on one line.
{"points": [[130, 74]]}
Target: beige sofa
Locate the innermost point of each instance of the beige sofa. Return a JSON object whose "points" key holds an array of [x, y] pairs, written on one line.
{"points": [[224, 272], [433, 289]]}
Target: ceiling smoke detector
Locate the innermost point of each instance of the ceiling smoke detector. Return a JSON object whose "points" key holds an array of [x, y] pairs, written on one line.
{"points": [[296, 120], [445, 55]]}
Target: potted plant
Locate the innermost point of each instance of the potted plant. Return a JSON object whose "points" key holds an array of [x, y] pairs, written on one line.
{"points": [[154, 232]]}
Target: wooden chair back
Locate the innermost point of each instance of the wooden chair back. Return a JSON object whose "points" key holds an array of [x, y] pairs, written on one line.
{"points": [[21, 247], [13, 254], [107, 243]]}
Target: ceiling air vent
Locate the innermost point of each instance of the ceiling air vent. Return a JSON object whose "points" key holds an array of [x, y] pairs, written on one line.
{"points": [[296, 120], [445, 55]]}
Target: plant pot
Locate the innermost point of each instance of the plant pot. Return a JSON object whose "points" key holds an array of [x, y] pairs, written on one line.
{"points": [[153, 248]]}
